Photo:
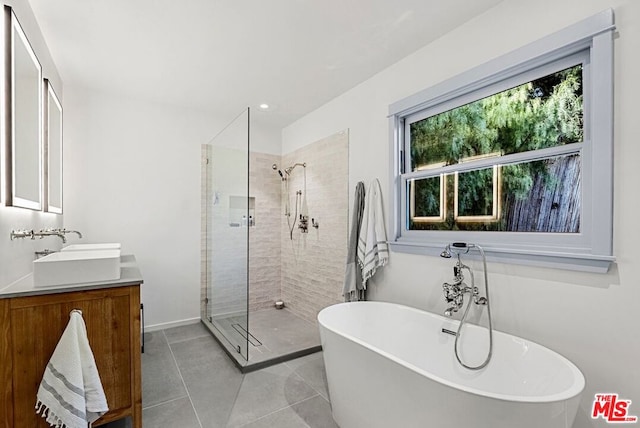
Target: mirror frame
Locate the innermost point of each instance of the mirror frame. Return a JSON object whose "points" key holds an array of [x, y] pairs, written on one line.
{"points": [[15, 34], [52, 102]]}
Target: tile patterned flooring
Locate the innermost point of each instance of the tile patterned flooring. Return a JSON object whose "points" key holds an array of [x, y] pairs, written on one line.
{"points": [[189, 382]]}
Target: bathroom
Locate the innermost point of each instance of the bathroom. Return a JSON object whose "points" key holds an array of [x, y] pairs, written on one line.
{"points": [[132, 174]]}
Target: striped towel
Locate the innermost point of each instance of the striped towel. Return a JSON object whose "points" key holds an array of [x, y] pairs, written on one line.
{"points": [[71, 394], [373, 251]]}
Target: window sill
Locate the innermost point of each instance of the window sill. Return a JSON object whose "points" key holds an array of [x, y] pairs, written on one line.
{"points": [[547, 259]]}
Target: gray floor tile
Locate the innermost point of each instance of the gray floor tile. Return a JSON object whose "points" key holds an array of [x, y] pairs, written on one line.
{"points": [[211, 378], [186, 332], [161, 380], [266, 391], [311, 369], [174, 414], [288, 395], [312, 413], [284, 418], [274, 333], [281, 332], [316, 412]]}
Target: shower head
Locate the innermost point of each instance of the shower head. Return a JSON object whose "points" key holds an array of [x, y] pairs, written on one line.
{"points": [[291, 168]]}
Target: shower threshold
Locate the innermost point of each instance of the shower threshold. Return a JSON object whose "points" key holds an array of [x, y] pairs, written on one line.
{"points": [[275, 336]]}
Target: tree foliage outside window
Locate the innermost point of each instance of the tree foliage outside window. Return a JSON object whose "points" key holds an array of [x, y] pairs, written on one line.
{"points": [[540, 114]]}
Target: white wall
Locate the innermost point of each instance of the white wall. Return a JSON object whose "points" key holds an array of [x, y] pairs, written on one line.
{"points": [[590, 318], [132, 175], [16, 256]]}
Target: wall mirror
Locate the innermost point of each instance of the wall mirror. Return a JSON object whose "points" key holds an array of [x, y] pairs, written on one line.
{"points": [[52, 150], [23, 118]]}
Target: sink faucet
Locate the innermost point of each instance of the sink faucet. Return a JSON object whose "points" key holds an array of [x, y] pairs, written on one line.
{"points": [[49, 232], [65, 231], [23, 233]]}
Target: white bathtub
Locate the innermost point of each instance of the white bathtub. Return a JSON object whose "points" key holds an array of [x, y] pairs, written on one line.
{"points": [[391, 366]]}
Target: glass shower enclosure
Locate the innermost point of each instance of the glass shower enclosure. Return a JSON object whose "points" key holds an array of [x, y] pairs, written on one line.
{"points": [[227, 217]]}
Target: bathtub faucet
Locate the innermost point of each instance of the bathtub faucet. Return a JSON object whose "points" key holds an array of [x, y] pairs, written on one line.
{"points": [[454, 293]]}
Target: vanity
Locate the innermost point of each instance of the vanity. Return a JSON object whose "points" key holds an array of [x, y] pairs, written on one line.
{"points": [[32, 320]]}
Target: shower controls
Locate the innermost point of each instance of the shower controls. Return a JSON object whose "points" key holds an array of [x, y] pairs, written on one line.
{"points": [[303, 224], [314, 223]]}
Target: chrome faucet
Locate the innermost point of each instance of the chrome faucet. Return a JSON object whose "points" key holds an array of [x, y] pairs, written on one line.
{"points": [[65, 231], [21, 233], [454, 293], [49, 232], [60, 233]]}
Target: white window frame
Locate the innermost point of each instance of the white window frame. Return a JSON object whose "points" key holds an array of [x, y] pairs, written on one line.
{"points": [[589, 250]]}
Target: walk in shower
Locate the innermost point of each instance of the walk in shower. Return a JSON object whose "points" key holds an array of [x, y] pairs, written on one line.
{"points": [[262, 240]]}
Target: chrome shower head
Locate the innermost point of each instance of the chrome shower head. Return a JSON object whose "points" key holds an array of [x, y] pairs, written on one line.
{"points": [[292, 167]]}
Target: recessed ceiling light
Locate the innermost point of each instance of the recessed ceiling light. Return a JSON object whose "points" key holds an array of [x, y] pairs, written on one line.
{"points": [[264, 106]]}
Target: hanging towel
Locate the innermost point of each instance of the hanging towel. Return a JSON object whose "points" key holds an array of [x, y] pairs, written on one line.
{"points": [[353, 286], [71, 394], [373, 251]]}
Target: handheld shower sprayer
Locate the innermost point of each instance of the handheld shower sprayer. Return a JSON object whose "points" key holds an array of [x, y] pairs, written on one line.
{"points": [[458, 248], [300, 201], [454, 295]]}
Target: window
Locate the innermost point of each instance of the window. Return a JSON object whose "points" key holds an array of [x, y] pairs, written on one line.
{"points": [[515, 155]]}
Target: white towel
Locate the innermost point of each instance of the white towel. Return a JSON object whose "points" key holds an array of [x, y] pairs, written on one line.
{"points": [[373, 251], [71, 394]]}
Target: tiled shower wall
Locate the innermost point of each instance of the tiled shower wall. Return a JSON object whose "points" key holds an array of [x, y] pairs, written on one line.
{"points": [[264, 237], [307, 272], [313, 263]]}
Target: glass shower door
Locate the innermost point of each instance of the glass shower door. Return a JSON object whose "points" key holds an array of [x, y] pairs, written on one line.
{"points": [[228, 217]]}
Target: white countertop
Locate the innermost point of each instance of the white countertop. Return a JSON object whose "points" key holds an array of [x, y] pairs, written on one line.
{"points": [[129, 275]]}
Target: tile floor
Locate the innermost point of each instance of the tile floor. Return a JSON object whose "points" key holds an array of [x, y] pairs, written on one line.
{"points": [[189, 382], [275, 333]]}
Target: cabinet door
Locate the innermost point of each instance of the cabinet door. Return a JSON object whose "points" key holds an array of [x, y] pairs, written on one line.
{"points": [[6, 366], [112, 318]]}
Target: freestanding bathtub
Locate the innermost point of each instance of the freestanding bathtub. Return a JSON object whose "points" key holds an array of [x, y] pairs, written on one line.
{"points": [[392, 366]]}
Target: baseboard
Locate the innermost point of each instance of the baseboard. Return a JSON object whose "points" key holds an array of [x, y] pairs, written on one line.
{"points": [[165, 325]]}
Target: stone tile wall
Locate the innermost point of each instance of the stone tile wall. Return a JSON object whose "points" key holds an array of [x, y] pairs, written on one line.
{"points": [[264, 238], [313, 263]]}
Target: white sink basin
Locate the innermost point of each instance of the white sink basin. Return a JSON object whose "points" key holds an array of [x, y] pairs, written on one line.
{"points": [[91, 247], [76, 267]]}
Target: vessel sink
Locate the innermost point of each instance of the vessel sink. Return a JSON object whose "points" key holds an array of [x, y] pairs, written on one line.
{"points": [[76, 267], [92, 247]]}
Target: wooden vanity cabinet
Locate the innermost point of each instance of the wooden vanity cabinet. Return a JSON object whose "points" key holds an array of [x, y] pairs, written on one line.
{"points": [[30, 328]]}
